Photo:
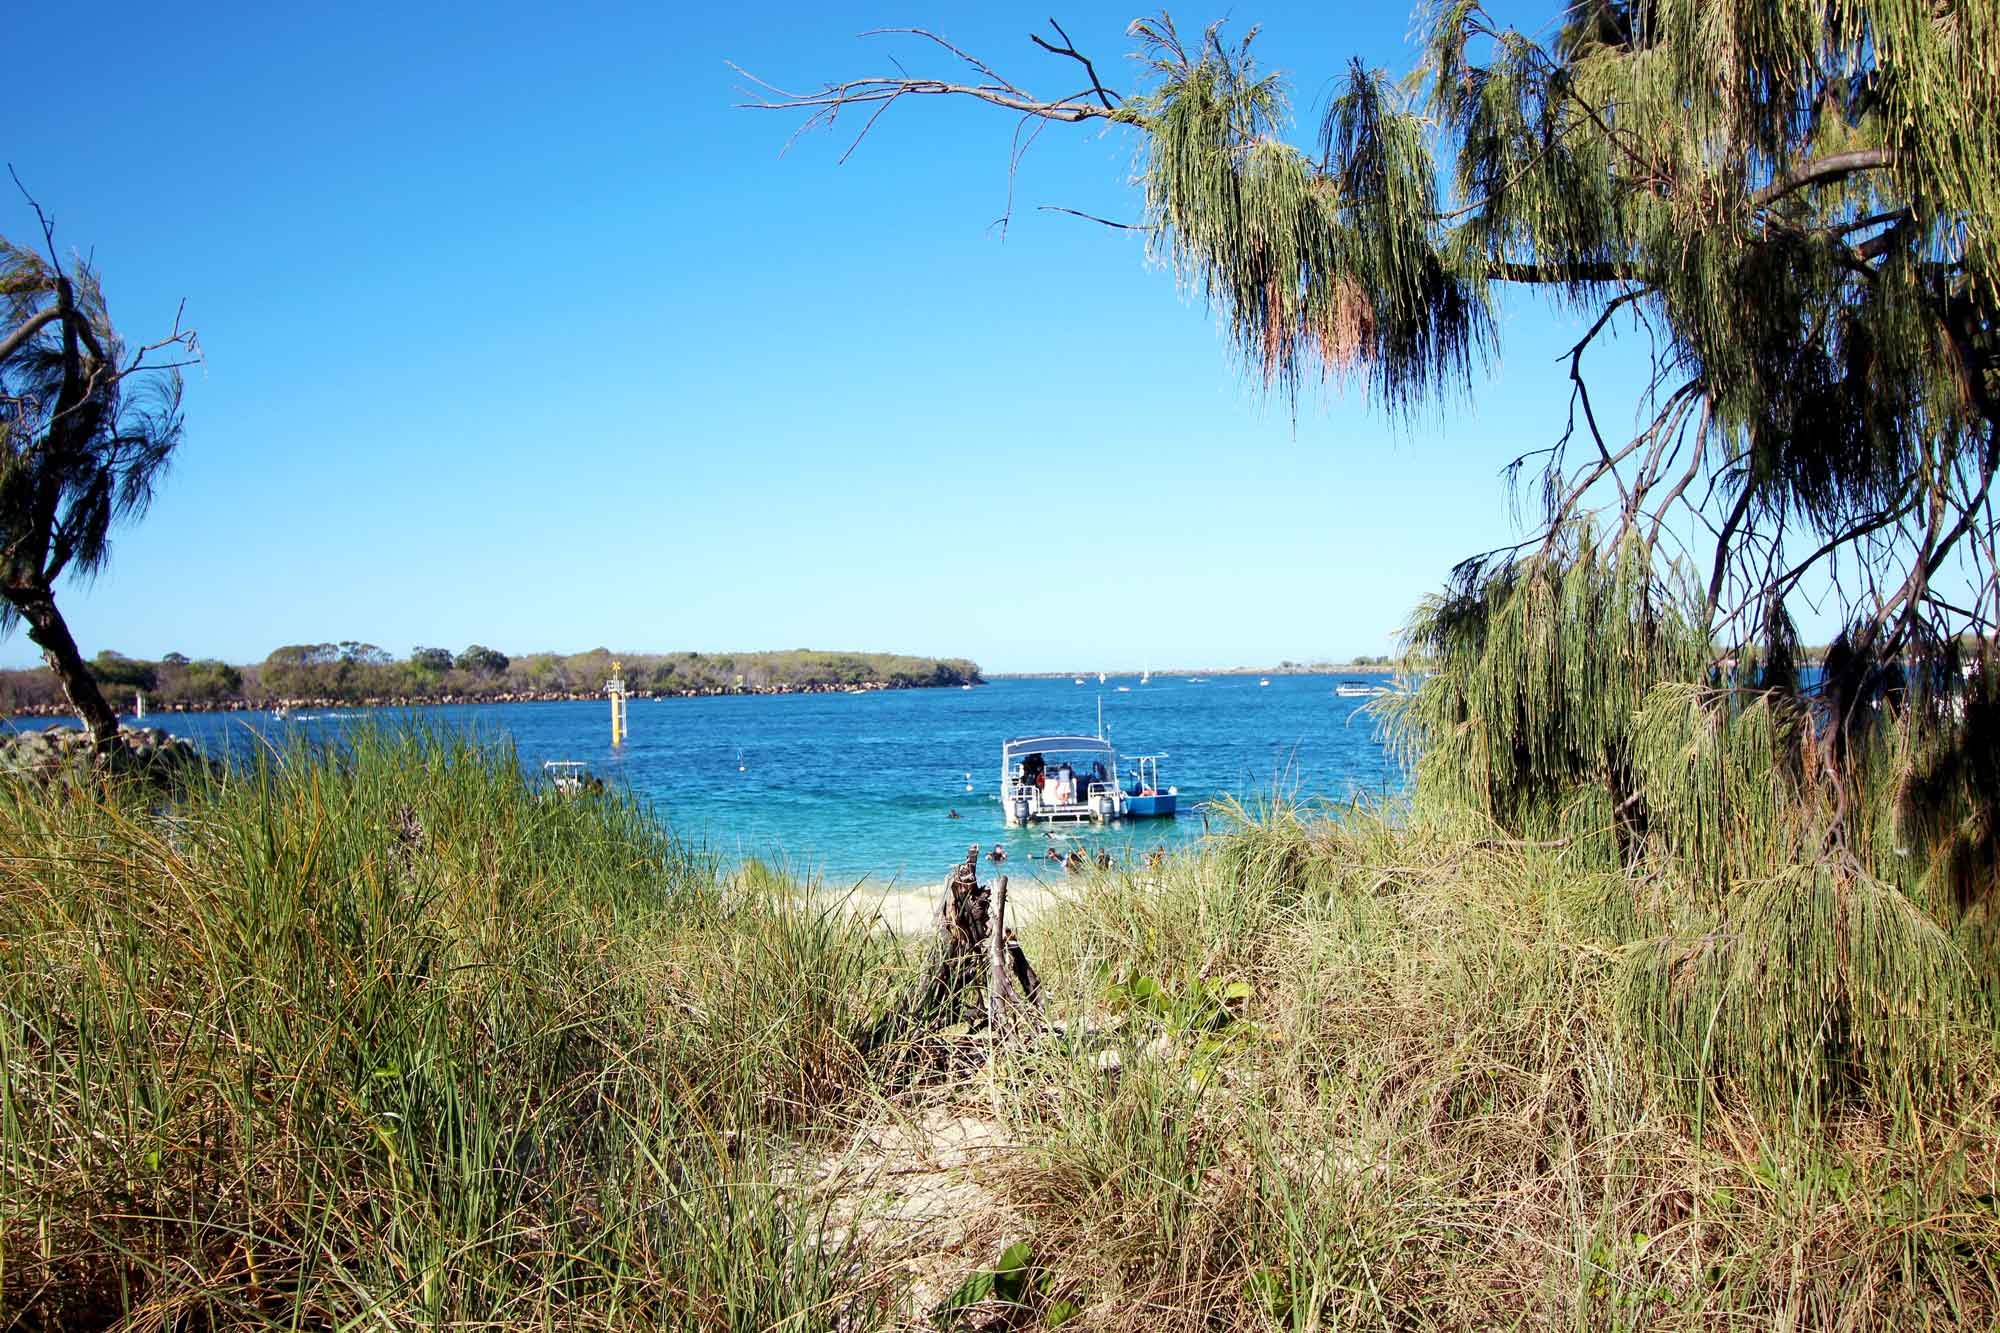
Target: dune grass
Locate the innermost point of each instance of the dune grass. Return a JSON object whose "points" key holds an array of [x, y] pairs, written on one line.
{"points": [[379, 1039]]}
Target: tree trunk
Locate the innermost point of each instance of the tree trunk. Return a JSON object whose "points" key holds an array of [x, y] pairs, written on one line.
{"points": [[51, 634]]}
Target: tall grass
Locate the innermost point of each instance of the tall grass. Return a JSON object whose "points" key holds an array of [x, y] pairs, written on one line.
{"points": [[1370, 1076], [379, 1038]]}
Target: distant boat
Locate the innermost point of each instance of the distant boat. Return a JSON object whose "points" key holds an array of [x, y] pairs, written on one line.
{"points": [[1359, 689], [1100, 678], [571, 777], [139, 705], [1079, 680], [965, 687], [1146, 677], [1124, 689], [1265, 681]]}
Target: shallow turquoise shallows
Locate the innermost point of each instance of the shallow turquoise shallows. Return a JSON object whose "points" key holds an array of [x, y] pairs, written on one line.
{"points": [[854, 786]]}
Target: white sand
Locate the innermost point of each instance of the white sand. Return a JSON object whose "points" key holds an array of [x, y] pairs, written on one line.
{"points": [[913, 911]]}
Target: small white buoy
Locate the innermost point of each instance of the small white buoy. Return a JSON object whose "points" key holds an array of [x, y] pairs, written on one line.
{"points": [[968, 782]]}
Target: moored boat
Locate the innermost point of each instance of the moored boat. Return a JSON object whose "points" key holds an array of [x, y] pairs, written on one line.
{"points": [[1059, 779], [1145, 796], [1359, 689]]}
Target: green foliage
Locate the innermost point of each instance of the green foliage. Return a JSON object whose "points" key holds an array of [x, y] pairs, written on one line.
{"points": [[480, 660], [434, 660], [117, 669], [1015, 1288], [1820, 985], [376, 1034], [1536, 673]]}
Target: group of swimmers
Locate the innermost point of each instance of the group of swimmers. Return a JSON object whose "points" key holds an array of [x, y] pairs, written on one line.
{"points": [[1076, 858]]}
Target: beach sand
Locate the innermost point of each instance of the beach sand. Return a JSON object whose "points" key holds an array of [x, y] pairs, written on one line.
{"points": [[908, 911]]}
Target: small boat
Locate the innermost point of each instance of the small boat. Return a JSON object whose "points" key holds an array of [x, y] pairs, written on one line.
{"points": [[1059, 779], [1359, 689], [1079, 680], [1124, 689], [1146, 676], [1265, 681], [1145, 798], [965, 687], [571, 777]]}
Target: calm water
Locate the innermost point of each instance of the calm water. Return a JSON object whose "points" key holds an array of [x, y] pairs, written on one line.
{"points": [[860, 785]]}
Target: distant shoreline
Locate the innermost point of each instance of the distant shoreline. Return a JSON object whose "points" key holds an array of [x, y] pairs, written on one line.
{"points": [[451, 700], [1297, 669]]}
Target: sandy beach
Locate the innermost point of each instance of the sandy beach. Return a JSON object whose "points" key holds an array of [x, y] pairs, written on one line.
{"points": [[912, 910]]}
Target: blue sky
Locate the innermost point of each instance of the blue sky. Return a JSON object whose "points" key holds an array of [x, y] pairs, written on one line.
{"points": [[519, 331]]}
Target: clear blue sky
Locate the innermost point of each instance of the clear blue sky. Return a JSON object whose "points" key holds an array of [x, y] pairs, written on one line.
{"points": [[519, 332]]}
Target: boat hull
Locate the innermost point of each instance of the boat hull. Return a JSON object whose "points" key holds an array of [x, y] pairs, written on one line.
{"points": [[1150, 807]]}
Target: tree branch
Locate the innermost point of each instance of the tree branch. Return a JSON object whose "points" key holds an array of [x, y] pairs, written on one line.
{"points": [[1068, 48], [1830, 167]]}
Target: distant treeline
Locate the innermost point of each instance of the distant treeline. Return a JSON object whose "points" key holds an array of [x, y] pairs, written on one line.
{"points": [[355, 672]]}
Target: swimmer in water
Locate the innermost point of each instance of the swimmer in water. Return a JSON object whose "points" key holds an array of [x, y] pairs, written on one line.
{"points": [[953, 814], [997, 854]]}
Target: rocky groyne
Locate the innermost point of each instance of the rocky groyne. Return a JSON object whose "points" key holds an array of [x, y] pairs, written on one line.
{"points": [[48, 753], [318, 702]]}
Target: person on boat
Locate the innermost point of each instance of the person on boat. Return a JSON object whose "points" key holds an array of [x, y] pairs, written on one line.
{"points": [[1031, 770]]}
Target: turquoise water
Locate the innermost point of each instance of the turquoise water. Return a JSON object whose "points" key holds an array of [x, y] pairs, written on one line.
{"points": [[854, 786]]}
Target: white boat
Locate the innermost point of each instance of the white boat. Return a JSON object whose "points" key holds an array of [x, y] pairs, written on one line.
{"points": [[1265, 681], [1359, 689], [1146, 676], [1059, 779], [571, 777]]}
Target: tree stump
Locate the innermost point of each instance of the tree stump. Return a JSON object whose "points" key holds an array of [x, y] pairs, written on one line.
{"points": [[973, 952]]}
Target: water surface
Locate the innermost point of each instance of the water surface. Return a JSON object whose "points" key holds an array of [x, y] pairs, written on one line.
{"points": [[861, 785]]}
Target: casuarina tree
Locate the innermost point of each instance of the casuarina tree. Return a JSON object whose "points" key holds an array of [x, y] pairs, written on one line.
{"points": [[87, 426], [1789, 206]]}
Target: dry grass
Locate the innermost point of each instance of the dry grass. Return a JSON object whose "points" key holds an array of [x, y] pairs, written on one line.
{"points": [[380, 1040]]}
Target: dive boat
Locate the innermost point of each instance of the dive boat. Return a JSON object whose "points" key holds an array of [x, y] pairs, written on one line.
{"points": [[1144, 796], [1059, 779]]}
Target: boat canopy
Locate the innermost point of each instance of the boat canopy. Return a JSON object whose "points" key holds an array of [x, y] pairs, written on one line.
{"points": [[1022, 746]]}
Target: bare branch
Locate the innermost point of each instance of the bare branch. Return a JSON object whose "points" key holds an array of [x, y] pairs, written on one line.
{"points": [[1068, 48]]}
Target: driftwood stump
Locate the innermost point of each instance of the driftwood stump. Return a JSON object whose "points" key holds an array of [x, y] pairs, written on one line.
{"points": [[973, 952]]}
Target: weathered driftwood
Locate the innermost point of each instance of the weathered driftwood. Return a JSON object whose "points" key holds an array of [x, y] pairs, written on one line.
{"points": [[973, 952]]}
